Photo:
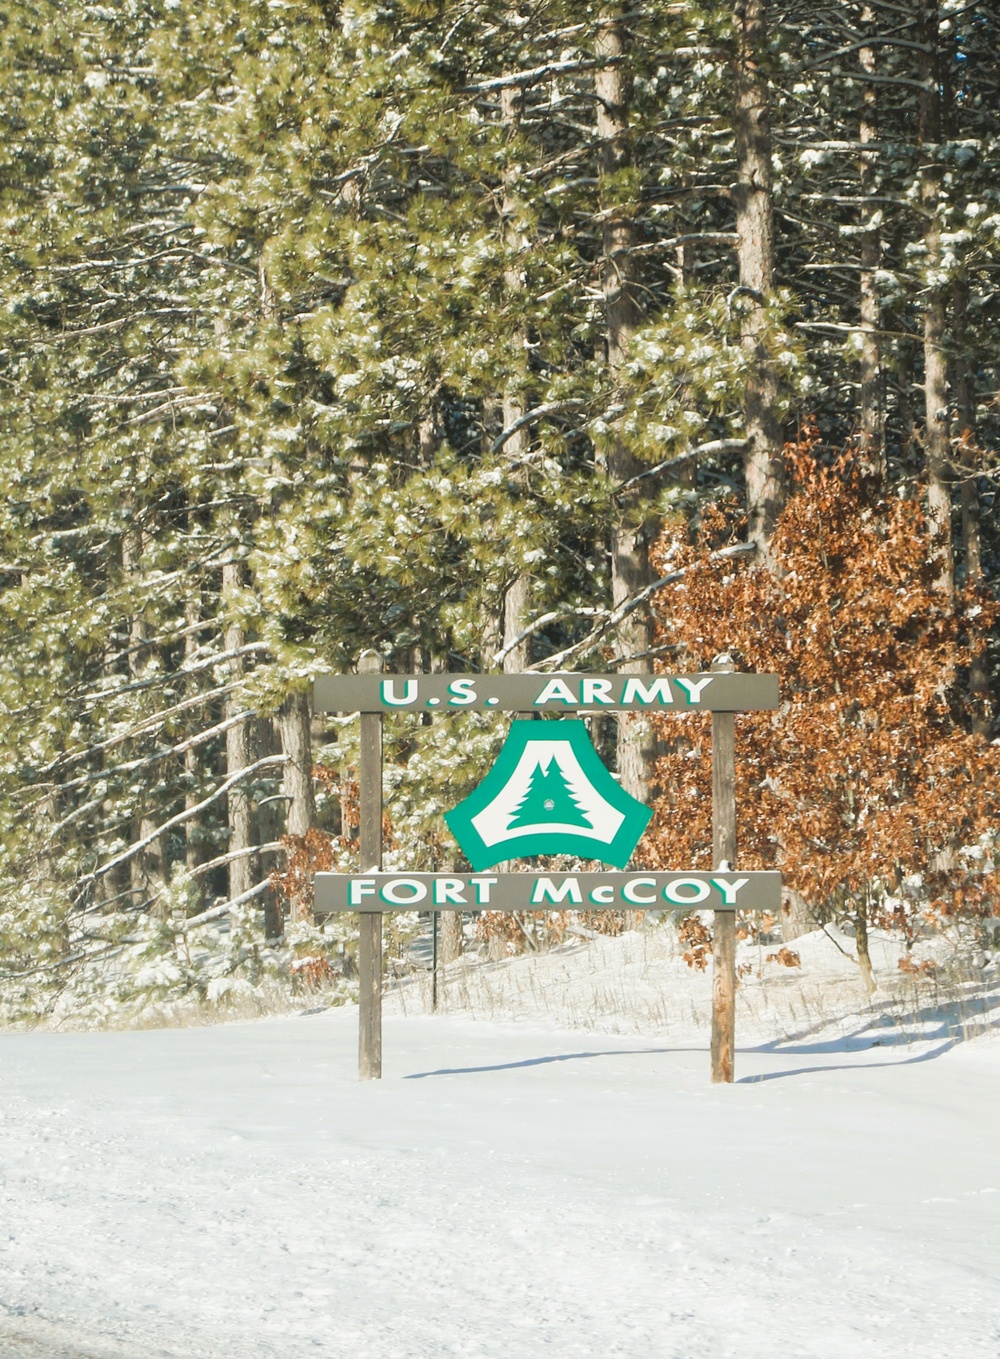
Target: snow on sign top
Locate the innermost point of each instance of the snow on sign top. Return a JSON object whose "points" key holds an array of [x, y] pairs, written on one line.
{"points": [[565, 692]]}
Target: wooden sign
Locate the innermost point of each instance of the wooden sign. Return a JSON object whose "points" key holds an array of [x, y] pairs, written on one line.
{"points": [[547, 891], [559, 693], [547, 794]]}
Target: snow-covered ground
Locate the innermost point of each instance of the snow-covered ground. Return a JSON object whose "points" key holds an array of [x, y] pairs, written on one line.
{"points": [[639, 983], [510, 1189]]}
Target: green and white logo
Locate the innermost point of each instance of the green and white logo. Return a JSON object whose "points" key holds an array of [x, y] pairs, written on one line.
{"points": [[548, 793]]}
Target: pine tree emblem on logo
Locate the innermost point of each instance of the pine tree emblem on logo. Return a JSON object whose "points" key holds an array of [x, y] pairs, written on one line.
{"points": [[548, 793]]}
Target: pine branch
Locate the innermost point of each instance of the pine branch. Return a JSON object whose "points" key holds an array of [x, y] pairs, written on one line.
{"points": [[241, 775], [160, 639], [216, 912], [272, 847], [630, 605], [64, 961], [539, 623], [161, 677], [131, 766], [531, 77], [143, 727], [704, 237], [868, 40], [539, 413], [715, 446], [669, 647], [74, 815]]}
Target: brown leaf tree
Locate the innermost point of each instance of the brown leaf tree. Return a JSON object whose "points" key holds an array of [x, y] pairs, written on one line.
{"points": [[867, 788]]}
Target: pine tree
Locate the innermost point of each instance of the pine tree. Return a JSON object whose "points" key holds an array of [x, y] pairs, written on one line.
{"points": [[548, 801], [336, 326]]}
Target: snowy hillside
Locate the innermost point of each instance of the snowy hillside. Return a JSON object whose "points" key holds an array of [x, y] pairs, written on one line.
{"points": [[639, 983], [507, 1191]]}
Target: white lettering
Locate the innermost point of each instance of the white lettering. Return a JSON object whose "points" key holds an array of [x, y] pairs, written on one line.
{"points": [[603, 894], [635, 691], [630, 893], [482, 886], [546, 890], [389, 693], [358, 888], [417, 891], [672, 891], [556, 688], [449, 889], [694, 687], [595, 691], [461, 693], [729, 889]]}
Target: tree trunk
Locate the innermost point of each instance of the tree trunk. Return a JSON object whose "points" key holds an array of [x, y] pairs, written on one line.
{"points": [[194, 830], [872, 424], [449, 922], [937, 432], [295, 729], [147, 868], [451, 936], [796, 917], [517, 597], [861, 942], [980, 696], [904, 369], [294, 726], [47, 816], [630, 567], [755, 249], [238, 751]]}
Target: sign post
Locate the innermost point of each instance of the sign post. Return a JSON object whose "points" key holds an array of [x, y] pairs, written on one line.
{"points": [[723, 857], [547, 794], [370, 848]]}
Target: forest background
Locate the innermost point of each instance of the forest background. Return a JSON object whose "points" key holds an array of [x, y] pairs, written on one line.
{"points": [[485, 336]]}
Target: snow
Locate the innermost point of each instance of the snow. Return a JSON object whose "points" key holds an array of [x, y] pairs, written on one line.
{"points": [[509, 1189], [639, 983]]}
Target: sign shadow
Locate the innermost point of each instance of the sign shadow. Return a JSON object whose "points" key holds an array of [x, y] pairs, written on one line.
{"points": [[544, 1061], [939, 1051]]}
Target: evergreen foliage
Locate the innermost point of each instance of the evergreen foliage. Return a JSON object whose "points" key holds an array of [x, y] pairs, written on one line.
{"points": [[304, 349]]}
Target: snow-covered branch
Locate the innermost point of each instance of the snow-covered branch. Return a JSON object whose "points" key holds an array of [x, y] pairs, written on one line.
{"points": [[715, 446], [541, 622], [530, 417], [629, 605], [536, 73], [217, 912], [241, 775]]}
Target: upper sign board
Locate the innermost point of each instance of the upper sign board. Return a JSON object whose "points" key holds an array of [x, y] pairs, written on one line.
{"points": [[554, 693]]}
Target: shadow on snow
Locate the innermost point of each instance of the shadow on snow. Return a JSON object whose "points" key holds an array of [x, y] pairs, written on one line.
{"points": [[942, 1023]]}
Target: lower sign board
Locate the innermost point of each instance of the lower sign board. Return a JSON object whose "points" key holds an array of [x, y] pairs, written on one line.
{"points": [[720, 891]]}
